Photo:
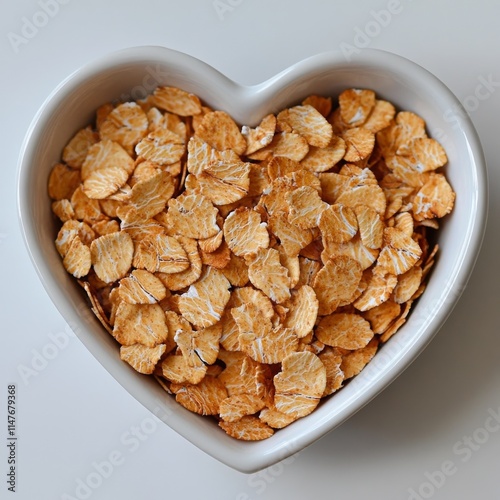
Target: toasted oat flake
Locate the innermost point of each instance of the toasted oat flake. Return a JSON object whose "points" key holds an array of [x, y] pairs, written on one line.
{"points": [[435, 198], [336, 282], [161, 146], [353, 362], [359, 143], [237, 406], [160, 253], [177, 101], [260, 136], [203, 398], [399, 253], [140, 324], [332, 360], [193, 216], [323, 159], [127, 124], [142, 287], [75, 152], [220, 131], [141, 358], [205, 299], [300, 384], [275, 418], [248, 428], [338, 224], [309, 123], [345, 330], [244, 232], [267, 274], [63, 181], [302, 311], [77, 259], [356, 105], [378, 291], [112, 256], [305, 207], [225, 183]]}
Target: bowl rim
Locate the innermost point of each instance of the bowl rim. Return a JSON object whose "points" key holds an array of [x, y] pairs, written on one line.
{"points": [[257, 455]]}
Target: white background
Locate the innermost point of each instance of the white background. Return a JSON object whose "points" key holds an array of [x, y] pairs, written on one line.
{"points": [[71, 414]]}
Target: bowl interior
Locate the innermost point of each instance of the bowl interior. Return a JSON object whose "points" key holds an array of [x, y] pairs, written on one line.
{"points": [[133, 73]]}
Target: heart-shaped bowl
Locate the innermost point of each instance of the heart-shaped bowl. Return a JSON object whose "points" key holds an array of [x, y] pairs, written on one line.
{"points": [[132, 74]]}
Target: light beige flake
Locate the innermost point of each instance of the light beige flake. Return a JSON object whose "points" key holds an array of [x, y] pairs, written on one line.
{"points": [[305, 207], [179, 280], [112, 256], [378, 291], [161, 146], [68, 231], [381, 316], [140, 324], [225, 183], [63, 181], [203, 398], [261, 136], [63, 210], [176, 101], [435, 198], [105, 227], [336, 282], [323, 159], [309, 123], [359, 144], [275, 418], [160, 253], [193, 216], [354, 249], [141, 358], [289, 145], [267, 274], [371, 226], [380, 117], [176, 369], [244, 232], [248, 428], [76, 150], [201, 155], [332, 360], [408, 284], [281, 166], [353, 362], [220, 131], [320, 103], [399, 253], [200, 346], [141, 287], [356, 105], [302, 311], [338, 224], [236, 271], [149, 197], [258, 339], [425, 154], [127, 124], [77, 258], [358, 192], [344, 330], [292, 238], [237, 406], [205, 300], [300, 384]]}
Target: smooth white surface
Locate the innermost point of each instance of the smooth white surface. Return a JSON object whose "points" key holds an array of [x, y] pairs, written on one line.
{"points": [[440, 414]]}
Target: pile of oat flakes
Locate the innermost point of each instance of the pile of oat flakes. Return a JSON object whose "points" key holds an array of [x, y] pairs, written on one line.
{"points": [[252, 271]]}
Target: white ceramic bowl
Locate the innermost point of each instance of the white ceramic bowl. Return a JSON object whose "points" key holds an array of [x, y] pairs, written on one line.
{"points": [[134, 72]]}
